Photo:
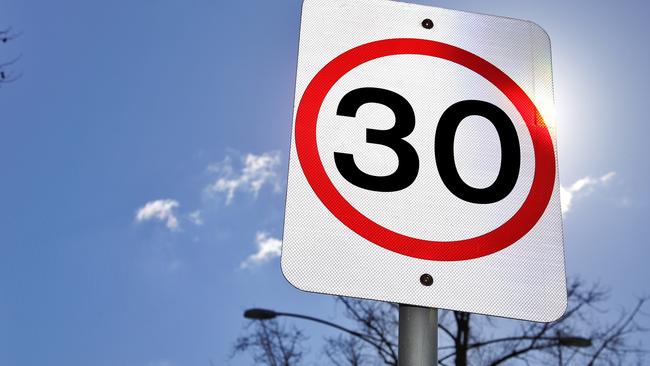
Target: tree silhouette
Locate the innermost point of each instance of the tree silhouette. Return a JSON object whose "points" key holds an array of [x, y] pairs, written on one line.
{"points": [[7, 74], [272, 344], [471, 339]]}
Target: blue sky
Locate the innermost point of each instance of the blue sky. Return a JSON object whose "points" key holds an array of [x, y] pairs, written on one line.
{"points": [[124, 103]]}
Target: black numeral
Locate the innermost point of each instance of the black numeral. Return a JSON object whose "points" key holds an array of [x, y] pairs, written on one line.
{"points": [[408, 161], [444, 151]]}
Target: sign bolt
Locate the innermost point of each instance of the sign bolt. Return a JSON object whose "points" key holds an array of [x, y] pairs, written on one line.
{"points": [[426, 279]]}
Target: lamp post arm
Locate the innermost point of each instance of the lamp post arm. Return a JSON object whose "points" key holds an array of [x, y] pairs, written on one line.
{"points": [[333, 325], [563, 341]]}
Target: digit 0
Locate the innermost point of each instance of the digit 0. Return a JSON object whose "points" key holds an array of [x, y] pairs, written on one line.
{"points": [[444, 151]]}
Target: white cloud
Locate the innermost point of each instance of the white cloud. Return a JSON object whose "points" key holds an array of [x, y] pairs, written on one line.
{"points": [[267, 248], [196, 217], [257, 171], [160, 210], [580, 188]]}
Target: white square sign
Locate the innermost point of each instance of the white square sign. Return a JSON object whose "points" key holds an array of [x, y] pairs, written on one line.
{"points": [[423, 164]]}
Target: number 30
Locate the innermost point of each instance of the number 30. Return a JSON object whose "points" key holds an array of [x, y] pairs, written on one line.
{"points": [[408, 160]]}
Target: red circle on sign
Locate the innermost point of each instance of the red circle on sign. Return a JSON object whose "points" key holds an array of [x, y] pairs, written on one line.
{"points": [[503, 236]]}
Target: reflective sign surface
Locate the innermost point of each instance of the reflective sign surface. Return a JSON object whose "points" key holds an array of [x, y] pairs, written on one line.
{"points": [[424, 145]]}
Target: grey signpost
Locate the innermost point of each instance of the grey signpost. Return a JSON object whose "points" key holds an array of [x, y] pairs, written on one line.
{"points": [[418, 336]]}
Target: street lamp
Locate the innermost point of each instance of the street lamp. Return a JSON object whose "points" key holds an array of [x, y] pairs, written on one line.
{"points": [[266, 314], [259, 314], [571, 341]]}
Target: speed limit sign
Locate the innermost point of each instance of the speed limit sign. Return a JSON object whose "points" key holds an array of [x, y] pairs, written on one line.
{"points": [[423, 163]]}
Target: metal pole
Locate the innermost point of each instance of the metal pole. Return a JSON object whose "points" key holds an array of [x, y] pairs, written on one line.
{"points": [[418, 336]]}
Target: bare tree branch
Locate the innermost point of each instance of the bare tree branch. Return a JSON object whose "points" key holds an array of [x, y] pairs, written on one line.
{"points": [[272, 344], [7, 75], [344, 351], [612, 336], [481, 340]]}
